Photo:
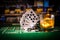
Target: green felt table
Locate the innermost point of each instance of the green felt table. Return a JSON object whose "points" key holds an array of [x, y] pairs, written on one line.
{"points": [[13, 33]]}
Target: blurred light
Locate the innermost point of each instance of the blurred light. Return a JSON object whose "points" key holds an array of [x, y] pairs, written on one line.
{"points": [[40, 4], [46, 3], [49, 9], [39, 10], [52, 16], [17, 10], [7, 11], [12, 12], [28, 9]]}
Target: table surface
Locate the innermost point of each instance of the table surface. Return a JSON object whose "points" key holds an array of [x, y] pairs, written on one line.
{"points": [[13, 32]]}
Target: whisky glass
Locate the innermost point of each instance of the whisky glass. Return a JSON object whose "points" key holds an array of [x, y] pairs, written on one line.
{"points": [[46, 21]]}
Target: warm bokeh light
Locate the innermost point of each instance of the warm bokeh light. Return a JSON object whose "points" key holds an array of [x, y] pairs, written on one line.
{"points": [[50, 9], [39, 10], [28, 9], [7, 11], [39, 3], [17, 10], [12, 12]]}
